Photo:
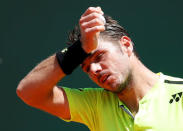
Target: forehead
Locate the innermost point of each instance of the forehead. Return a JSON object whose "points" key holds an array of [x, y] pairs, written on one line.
{"points": [[106, 45], [103, 47]]}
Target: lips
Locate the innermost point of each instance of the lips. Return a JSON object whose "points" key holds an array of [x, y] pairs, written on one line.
{"points": [[103, 78]]}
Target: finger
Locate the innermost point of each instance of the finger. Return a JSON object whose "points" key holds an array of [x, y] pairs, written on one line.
{"points": [[91, 10], [94, 30], [92, 23], [92, 16]]}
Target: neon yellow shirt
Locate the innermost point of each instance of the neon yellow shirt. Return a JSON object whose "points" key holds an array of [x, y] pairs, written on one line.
{"points": [[161, 109]]}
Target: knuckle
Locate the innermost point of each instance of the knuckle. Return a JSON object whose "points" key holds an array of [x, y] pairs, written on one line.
{"points": [[97, 28], [85, 31], [97, 21], [103, 28], [90, 8], [82, 25], [95, 15]]}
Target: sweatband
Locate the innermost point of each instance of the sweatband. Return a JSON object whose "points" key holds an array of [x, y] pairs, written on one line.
{"points": [[69, 58]]}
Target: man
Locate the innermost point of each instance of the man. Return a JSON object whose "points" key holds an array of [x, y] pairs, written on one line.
{"points": [[131, 98]]}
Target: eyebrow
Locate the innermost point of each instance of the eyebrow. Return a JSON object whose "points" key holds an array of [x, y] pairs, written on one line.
{"points": [[84, 67], [92, 56]]}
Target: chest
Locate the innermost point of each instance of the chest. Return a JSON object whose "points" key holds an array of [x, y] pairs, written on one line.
{"points": [[162, 111], [159, 112]]}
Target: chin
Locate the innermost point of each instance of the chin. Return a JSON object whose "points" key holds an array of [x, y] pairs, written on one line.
{"points": [[113, 87], [112, 84]]}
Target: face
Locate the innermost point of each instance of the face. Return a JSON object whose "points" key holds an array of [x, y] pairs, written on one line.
{"points": [[108, 66]]}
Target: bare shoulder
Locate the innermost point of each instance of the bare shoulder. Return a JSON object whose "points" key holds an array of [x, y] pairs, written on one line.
{"points": [[56, 103]]}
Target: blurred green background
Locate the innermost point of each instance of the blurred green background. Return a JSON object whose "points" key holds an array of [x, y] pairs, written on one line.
{"points": [[32, 30]]}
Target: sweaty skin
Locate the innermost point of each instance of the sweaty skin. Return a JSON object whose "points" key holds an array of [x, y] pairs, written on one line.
{"points": [[109, 66], [38, 88]]}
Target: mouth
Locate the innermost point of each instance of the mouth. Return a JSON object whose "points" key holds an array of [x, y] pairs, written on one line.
{"points": [[103, 78]]}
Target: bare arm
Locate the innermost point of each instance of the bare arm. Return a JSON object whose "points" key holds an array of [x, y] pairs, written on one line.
{"points": [[38, 88]]}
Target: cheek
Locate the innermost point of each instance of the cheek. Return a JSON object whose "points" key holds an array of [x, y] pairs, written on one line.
{"points": [[118, 65], [119, 68], [114, 78]]}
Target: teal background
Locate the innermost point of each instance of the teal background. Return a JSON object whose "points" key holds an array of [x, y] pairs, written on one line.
{"points": [[32, 30]]}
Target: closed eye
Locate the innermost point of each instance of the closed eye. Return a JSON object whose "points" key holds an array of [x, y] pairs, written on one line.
{"points": [[85, 67], [98, 57]]}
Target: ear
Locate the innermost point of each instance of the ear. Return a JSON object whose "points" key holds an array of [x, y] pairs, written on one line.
{"points": [[127, 45]]}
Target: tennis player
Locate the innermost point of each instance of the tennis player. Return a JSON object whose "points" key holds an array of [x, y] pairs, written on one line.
{"points": [[131, 97]]}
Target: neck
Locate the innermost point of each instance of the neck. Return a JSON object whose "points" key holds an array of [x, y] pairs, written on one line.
{"points": [[141, 82]]}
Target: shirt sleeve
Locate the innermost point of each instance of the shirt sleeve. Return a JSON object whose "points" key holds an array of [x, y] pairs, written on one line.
{"points": [[82, 104]]}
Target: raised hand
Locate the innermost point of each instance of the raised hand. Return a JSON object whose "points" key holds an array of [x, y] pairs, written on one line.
{"points": [[91, 24]]}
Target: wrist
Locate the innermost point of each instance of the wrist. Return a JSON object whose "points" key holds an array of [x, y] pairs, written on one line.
{"points": [[90, 44], [69, 58]]}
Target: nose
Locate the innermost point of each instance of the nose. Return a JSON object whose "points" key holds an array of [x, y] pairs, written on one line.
{"points": [[95, 68]]}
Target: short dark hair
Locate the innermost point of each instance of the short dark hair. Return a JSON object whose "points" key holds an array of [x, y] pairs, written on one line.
{"points": [[113, 31]]}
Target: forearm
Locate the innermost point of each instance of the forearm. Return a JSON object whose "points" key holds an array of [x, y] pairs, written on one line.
{"points": [[39, 83]]}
